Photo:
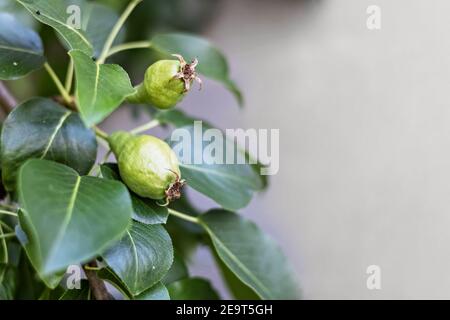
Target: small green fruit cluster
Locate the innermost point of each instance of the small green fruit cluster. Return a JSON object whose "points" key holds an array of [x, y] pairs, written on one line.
{"points": [[166, 83], [147, 165]]}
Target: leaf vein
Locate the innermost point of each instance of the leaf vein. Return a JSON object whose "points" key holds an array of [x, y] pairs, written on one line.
{"points": [[63, 25], [53, 136], [37, 53], [97, 77], [67, 218], [136, 269], [237, 261]]}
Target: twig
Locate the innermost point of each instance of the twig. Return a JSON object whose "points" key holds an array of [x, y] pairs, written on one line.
{"points": [[115, 30], [59, 85], [100, 133], [7, 101], [147, 126], [103, 143], [129, 46], [9, 213], [106, 157], [69, 76], [7, 235], [183, 216], [97, 285]]}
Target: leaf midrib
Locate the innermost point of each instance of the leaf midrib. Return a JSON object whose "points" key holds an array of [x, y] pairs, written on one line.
{"points": [[136, 269], [37, 53], [97, 78], [55, 132], [60, 23], [238, 262], [66, 220]]}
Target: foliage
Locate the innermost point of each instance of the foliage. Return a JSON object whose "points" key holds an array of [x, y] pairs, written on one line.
{"points": [[65, 208]]}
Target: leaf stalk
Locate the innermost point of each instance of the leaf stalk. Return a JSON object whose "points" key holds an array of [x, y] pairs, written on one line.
{"points": [[8, 213], [184, 216], [116, 29], [59, 85], [129, 46], [147, 126]]}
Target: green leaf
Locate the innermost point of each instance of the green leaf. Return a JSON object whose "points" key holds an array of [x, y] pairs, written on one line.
{"points": [[251, 255], [147, 211], [97, 23], [13, 249], [40, 128], [16, 9], [21, 50], [179, 119], [29, 286], [110, 171], [186, 236], [238, 289], [142, 257], [212, 62], [54, 14], [192, 289], [144, 210], [52, 294], [230, 185], [4, 256], [8, 282], [68, 219], [177, 271], [157, 292], [100, 88], [25, 234], [108, 275], [84, 293]]}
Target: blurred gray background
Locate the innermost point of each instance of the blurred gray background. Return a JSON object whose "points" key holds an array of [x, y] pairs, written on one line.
{"points": [[364, 119]]}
